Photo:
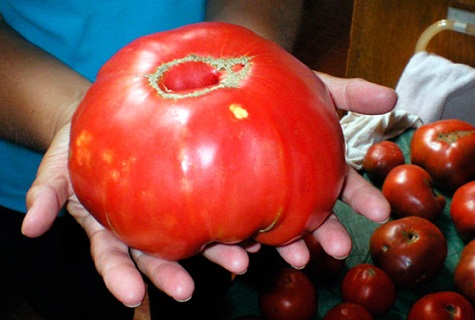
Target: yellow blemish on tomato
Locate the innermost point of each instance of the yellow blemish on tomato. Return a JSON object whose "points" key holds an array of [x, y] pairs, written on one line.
{"points": [[107, 156], [83, 153], [83, 139], [115, 175], [238, 111]]}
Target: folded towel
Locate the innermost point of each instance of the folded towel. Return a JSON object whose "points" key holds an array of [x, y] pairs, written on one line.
{"points": [[361, 131], [430, 88]]}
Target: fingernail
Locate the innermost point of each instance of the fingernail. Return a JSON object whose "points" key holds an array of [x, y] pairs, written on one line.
{"points": [[241, 273], [341, 258], [299, 267], [384, 221], [133, 306], [185, 300]]}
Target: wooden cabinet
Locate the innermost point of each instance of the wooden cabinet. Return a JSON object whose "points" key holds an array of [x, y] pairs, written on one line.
{"points": [[384, 34]]}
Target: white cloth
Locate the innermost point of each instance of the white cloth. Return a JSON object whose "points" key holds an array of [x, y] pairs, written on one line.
{"points": [[361, 131], [436, 88], [430, 88]]}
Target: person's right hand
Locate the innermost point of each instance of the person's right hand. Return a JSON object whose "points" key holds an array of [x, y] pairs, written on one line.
{"points": [[114, 260]]}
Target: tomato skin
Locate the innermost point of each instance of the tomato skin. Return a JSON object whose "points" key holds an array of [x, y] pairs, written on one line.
{"points": [[446, 149], [381, 158], [411, 250], [348, 311], [291, 296], [444, 305], [409, 190], [464, 274], [462, 211], [171, 171], [370, 287]]}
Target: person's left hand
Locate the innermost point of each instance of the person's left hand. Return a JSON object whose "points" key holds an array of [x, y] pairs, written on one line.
{"points": [[115, 261]]}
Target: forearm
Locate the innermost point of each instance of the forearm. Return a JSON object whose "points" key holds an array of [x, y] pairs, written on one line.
{"points": [[277, 20], [38, 93]]}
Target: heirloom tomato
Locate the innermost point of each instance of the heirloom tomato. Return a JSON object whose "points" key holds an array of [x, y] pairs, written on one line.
{"points": [[464, 275], [290, 296], [411, 250], [444, 305], [370, 287], [462, 211], [381, 158], [206, 133], [446, 149], [410, 192]]}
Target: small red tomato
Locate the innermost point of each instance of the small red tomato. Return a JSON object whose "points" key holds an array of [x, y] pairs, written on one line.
{"points": [[291, 296], [370, 287], [409, 190], [445, 305], [381, 158], [464, 275], [322, 267], [446, 149], [348, 311], [462, 211], [410, 250]]}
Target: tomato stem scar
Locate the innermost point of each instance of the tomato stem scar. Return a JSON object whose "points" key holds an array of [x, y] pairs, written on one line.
{"points": [[229, 72], [452, 137]]}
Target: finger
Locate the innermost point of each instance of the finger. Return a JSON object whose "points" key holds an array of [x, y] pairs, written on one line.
{"points": [[168, 276], [231, 257], [359, 95], [364, 198], [50, 190], [296, 254], [117, 269], [111, 258], [43, 207], [334, 237]]}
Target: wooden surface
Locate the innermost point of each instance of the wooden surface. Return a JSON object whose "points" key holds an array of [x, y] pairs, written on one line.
{"points": [[384, 34], [325, 34]]}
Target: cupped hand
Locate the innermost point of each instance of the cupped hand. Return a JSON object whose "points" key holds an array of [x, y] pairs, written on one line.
{"points": [[113, 259], [118, 264]]}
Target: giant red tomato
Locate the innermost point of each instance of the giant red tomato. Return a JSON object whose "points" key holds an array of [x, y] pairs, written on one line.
{"points": [[411, 250], [444, 305], [462, 211], [290, 296], [207, 133], [446, 149], [409, 190], [464, 275]]}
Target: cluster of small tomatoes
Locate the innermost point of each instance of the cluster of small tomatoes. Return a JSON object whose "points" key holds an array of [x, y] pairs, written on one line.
{"points": [[410, 249]]}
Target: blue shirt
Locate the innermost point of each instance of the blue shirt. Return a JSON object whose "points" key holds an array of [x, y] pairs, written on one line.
{"points": [[83, 34]]}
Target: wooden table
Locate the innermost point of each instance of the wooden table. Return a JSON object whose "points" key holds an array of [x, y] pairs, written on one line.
{"points": [[384, 34]]}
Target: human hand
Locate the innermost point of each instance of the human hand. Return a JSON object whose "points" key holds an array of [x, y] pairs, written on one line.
{"points": [[52, 189], [364, 97], [113, 260]]}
